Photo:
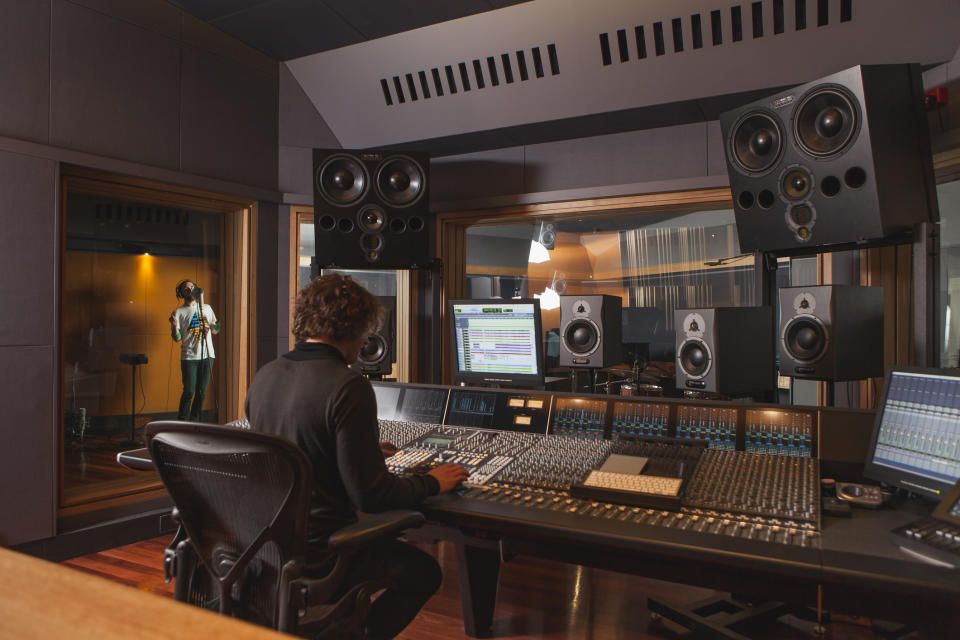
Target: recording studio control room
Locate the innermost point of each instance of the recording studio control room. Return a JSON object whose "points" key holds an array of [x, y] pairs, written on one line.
{"points": [[511, 319]]}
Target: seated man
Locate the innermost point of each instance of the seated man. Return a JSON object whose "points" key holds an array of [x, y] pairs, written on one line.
{"points": [[311, 397]]}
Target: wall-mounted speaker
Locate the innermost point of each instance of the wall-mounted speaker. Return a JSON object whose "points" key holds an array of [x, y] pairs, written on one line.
{"points": [[380, 351], [726, 350], [371, 209], [840, 160], [831, 332], [590, 331]]}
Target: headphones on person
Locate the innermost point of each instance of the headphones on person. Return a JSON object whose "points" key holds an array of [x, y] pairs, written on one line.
{"points": [[178, 291]]}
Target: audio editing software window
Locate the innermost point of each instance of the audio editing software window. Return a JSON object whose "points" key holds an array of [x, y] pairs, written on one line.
{"points": [[496, 338], [920, 428]]}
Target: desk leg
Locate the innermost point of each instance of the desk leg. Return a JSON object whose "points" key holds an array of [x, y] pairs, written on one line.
{"points": [[479, 571]]}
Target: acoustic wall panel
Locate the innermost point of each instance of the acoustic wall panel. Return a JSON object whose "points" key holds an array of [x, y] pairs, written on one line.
{"points": [[28, 249], [28, 469], [115, 87], [229, 120], [24, 85]]}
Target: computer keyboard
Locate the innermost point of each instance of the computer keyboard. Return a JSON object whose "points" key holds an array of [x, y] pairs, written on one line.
{"points": [[632, 489]]}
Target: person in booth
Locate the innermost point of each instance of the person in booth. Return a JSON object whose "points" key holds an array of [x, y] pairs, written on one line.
{"points": [[313, 398], [193, 324]]}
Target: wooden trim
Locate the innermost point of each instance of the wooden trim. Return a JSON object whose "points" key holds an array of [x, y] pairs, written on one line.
{"points": [[110, 184], [451, 237], [240, 301], [152, 492]]}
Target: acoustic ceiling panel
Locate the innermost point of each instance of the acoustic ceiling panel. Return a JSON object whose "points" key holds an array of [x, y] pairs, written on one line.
{"points": [[551, 60]]}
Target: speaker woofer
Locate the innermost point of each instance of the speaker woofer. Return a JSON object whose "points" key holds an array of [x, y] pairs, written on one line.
{"points": [[756, 142], [581, 337], [694, 358], [374, 350], [400, 181], [826, 121], [805, 339], [342, 180]]}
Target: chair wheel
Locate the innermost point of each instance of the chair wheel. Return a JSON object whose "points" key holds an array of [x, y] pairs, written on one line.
{"points": [[655, 616]]}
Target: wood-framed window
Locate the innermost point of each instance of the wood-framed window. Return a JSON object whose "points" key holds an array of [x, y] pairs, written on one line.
{"points": [[126, 243]]}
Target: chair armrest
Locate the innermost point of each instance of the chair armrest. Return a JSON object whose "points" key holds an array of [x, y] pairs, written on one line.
{"points": [[373, 528]]}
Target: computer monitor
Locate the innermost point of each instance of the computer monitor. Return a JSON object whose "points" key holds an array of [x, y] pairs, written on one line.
{"points": [[916, 436], [497, 342]]}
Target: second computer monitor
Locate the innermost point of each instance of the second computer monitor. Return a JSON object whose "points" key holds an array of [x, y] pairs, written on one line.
{"points": [[497, 342], [916, 436]]}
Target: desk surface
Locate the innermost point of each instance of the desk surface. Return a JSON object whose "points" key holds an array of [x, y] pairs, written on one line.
{"points": [[41, 600]]}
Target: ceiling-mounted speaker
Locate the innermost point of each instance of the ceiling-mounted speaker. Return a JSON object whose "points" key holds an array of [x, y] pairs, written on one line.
{"points": [[379, 352], [726, 350], [841, 160], [546, 234], [371, 209]]}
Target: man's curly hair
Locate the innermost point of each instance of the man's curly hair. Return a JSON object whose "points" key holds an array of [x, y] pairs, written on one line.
{"points": [[335, 308]]}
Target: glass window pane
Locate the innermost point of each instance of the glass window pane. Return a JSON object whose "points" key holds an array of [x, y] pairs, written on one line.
{"points": [[948, 344], [658, 263], [122, 262]]}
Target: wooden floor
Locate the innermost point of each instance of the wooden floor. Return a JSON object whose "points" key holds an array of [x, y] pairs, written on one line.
{"points": [[537, 599]]}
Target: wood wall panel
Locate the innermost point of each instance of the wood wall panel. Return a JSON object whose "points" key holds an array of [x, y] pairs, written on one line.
{"points": [[120, 304], [115, 87]]}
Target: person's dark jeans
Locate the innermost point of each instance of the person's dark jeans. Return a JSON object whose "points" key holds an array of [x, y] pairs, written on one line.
{"points": [[415, 573], [196, 377]]}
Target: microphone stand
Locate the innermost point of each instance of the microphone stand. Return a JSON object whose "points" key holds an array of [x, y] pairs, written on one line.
{"points": [[203, 354]]}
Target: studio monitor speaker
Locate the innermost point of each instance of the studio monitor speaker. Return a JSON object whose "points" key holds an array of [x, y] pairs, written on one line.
{"points": [[546, 234], [726, 350], [831, 332], [371, 209], [590, 331], [839, 160], [380, 351]]}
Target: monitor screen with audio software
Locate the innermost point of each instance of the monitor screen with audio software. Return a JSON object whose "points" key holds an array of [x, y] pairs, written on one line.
{"points": [[916, 436], [497, 342]]}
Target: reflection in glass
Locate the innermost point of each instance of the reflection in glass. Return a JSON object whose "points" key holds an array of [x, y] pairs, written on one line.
{"points": [[654, 263], [948, 344], [122, 262]]}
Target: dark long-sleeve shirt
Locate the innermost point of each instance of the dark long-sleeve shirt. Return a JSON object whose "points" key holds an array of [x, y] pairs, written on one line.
{"points": [[311, 397]]}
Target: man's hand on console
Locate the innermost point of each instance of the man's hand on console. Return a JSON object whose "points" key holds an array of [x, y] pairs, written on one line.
{"points": [[387, 448], [448, 476]]}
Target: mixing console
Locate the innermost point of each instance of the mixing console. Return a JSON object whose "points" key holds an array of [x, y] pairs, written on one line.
{"points": [[750, 483], [788, 433], [736, 525], [400, 433], [556, 462], [422, 405], [640, 419], [716, 425], [580, 417]]}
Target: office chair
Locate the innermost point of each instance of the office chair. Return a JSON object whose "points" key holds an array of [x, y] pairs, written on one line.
{"points": [[242, 500]]}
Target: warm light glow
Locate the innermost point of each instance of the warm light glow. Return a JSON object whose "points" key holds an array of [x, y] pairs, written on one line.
{"points": [[538, 253], [549, 299]]}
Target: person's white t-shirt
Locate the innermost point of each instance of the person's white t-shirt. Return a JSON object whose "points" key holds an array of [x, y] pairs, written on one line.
{"points": [[191, 326]]}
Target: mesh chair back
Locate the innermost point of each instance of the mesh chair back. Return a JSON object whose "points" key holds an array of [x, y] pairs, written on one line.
{"points": [[243, 498]]}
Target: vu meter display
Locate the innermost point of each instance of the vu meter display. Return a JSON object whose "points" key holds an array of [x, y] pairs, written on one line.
{"points": [[579, 417], [497, 341]]}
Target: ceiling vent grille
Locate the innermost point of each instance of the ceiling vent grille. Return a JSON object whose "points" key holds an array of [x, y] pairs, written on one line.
{"points": [[478, 74], [733, 22]]}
